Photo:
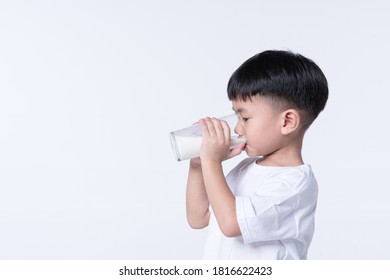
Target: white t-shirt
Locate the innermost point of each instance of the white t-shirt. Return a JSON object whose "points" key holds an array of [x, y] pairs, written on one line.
{"points": [[275, 211]]}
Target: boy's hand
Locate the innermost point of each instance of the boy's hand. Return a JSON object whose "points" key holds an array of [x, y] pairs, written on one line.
{"points": [[195, 162], [216, 141]]}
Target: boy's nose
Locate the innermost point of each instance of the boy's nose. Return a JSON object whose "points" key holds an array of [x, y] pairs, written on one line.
{"points": [[238, 128]]}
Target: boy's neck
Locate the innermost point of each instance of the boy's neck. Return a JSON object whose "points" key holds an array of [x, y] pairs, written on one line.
{"points": [[290, 155], [270, 161]]}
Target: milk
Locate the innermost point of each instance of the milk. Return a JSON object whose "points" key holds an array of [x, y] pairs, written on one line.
{"points": [[187, 147], [186, 142]]}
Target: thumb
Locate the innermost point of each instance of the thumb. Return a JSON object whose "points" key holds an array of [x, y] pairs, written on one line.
{"points": [[237, 150]]}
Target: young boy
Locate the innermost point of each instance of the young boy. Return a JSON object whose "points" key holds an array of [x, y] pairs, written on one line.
{"points": [[264, 209]]}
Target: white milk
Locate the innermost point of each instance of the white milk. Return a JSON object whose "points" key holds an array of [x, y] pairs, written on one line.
{"points": [[187, 147]]}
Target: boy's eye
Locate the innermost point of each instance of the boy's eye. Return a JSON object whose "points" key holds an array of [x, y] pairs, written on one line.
{"points": [[243, 119]]}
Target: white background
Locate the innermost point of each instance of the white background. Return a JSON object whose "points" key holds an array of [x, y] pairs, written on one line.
{"points": [[89, 91]]}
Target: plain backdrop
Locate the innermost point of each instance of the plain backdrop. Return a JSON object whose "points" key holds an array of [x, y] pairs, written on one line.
{"points": [[89, 91]]}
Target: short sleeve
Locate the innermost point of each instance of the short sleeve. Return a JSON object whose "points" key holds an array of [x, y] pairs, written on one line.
{"points": [[260, 223], [280, 208]]}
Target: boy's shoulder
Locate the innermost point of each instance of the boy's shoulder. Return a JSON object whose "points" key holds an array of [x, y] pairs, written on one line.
{"points": [[246, 162], [292, 177]]}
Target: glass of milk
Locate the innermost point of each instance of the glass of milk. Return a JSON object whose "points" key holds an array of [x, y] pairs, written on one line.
{"points": [[186, 142]]}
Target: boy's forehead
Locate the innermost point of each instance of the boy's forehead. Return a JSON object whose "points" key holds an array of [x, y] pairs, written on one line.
{"points": [[241, 106]]}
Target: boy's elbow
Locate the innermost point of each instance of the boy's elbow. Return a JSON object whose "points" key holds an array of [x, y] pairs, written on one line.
{"points": [[197, 225], [199, 222], [231, 229]]}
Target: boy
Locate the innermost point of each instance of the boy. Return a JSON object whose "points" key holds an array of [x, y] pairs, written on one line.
{"points": [[264, 209]]}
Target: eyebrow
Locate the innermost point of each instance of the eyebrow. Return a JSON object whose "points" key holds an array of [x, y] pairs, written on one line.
{"points": [[239, 110]]}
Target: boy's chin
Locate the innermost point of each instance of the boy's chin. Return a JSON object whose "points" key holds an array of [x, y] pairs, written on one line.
{"points": [[251, 153]]}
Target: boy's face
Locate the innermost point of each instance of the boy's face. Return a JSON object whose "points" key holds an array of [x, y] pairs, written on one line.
{"points": [[260, 124]]}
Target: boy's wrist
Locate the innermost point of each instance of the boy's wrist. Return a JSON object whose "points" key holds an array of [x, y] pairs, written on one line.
{"points": [[211, 162], [195, 163]]}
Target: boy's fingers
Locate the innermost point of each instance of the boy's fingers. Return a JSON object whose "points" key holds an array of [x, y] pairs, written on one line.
{"points": [[217, 127], [226, 129], [211, 128], [202, 120], [223, 129], [237, 150], [205, 130]]}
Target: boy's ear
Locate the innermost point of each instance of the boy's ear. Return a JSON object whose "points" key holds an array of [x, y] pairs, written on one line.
{"points": [[290, 121]]}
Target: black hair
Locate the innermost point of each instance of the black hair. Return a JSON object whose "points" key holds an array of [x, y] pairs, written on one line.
{"points": [[288, 80]]}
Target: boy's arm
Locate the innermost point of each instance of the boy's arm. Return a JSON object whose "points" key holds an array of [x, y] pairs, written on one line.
{"points": [[215, 149], [197, 203], [221, 198]]}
